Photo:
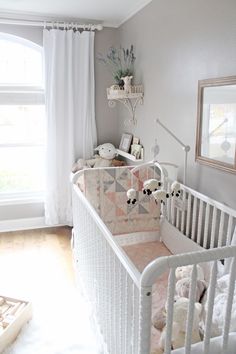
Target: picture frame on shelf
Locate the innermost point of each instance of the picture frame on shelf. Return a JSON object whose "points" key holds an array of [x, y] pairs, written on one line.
{"points": [[136, 150], [135, 140], [125, 142]]}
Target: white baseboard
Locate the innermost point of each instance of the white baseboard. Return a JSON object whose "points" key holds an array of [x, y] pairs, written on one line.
{"points": [[22, 224]]}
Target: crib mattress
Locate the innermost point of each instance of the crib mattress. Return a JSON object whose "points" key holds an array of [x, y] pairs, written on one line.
{"points": [[141, 255]]}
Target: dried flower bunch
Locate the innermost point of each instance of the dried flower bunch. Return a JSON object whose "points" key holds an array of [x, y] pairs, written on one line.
{"points": [[119, 61]]}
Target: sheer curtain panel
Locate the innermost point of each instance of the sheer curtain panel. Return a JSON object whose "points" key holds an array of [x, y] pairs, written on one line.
{"points": [[69, 90]]}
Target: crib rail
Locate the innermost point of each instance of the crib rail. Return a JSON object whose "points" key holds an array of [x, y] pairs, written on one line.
{"points": [[122, 298], [204, 220], [170, 263], [110, 280]]}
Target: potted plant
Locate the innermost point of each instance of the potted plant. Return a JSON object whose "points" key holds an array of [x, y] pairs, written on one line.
{"points": [[119, 61]]}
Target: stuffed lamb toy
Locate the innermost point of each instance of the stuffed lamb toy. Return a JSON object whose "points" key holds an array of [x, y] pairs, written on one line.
{"points": [[106, 153]]}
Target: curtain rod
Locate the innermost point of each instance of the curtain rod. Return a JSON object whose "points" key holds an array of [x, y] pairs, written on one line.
{"points": [[53, 24]]}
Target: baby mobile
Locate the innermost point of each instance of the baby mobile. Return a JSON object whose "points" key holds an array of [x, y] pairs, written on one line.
{"points": [[154, 187]]}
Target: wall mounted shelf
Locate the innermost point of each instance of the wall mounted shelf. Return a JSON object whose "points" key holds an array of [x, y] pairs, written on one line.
{"points": [[129, 156], [129, 99]]}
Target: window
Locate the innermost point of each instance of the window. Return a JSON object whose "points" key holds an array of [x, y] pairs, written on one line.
{"points": [[22, 120]]}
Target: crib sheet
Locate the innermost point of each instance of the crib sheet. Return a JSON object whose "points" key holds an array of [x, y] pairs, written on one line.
{"points": [[141, 255]]}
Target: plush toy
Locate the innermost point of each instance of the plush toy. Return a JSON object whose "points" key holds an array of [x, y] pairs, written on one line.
{"points": [[186, 271], [160, 196], [151, 185], [131, 195], [127, 83], [183, 285], [175, 189], [180, 312], [159, 319], [106, 152]]}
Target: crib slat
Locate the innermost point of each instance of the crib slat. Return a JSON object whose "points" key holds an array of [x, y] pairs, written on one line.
{"points": [[118, 268], [177, 218], [229, 230], [173, 211], [104, 322], [170, 310], [109, 320], [213, 228], [123, 309], [168, 203], [229, 305], [194, 218], [221, 229], [120, 301], [190, 317], [125, 306], [200, 218], [135, 319], [188, 214], [210, 302], [183, 212], [206, 225], [145, 312], [129, 317]]}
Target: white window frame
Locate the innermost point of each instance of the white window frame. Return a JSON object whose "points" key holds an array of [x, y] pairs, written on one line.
{"points": [[21, 95]]}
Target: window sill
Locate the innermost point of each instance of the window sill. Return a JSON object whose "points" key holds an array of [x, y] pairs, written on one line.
{"points": [[21, 201]]}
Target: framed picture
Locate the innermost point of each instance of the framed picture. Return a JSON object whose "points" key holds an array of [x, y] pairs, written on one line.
{"points": [[135, 140], [136, 150], [125, 142]]}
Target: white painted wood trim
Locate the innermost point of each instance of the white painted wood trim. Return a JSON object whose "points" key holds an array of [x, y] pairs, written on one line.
{"points": [[141, 4], [23, 224], [137, 237]]}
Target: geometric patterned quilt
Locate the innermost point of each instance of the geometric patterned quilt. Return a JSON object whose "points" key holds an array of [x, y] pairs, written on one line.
{"points": [[106, 190]]}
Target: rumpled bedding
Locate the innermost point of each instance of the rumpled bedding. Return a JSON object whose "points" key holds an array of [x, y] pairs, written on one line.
{"points": [[215, 346], [221, 296]]}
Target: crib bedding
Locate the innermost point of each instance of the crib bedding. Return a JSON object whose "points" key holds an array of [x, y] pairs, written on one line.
{"points": [[141, 255], [106, 190]]}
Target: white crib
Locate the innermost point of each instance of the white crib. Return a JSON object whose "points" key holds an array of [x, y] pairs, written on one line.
{"points": [[195, 228]]}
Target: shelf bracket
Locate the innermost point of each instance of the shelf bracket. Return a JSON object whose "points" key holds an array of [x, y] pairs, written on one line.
{"points": [[129, 99]]}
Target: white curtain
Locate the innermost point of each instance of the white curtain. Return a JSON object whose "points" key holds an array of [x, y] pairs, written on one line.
{"points": [[69, 90]]}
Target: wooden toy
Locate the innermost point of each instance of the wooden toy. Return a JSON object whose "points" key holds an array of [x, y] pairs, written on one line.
{"points": [[14, 313]]}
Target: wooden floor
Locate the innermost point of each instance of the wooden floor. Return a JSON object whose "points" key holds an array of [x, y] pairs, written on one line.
{"points": [[35, 262], [37, 266]]}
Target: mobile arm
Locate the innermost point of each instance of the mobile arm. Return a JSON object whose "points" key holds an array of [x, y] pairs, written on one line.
{"points": [[186, 148]]}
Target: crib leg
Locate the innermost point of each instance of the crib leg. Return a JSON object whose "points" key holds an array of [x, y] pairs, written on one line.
{"points": [[145, 312]]}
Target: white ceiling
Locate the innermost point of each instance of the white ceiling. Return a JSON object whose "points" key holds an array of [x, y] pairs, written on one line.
{"points": [[110, 12]]}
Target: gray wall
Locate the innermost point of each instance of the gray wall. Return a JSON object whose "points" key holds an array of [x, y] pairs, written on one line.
{"points": [[106, 118], [178, 43]]}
